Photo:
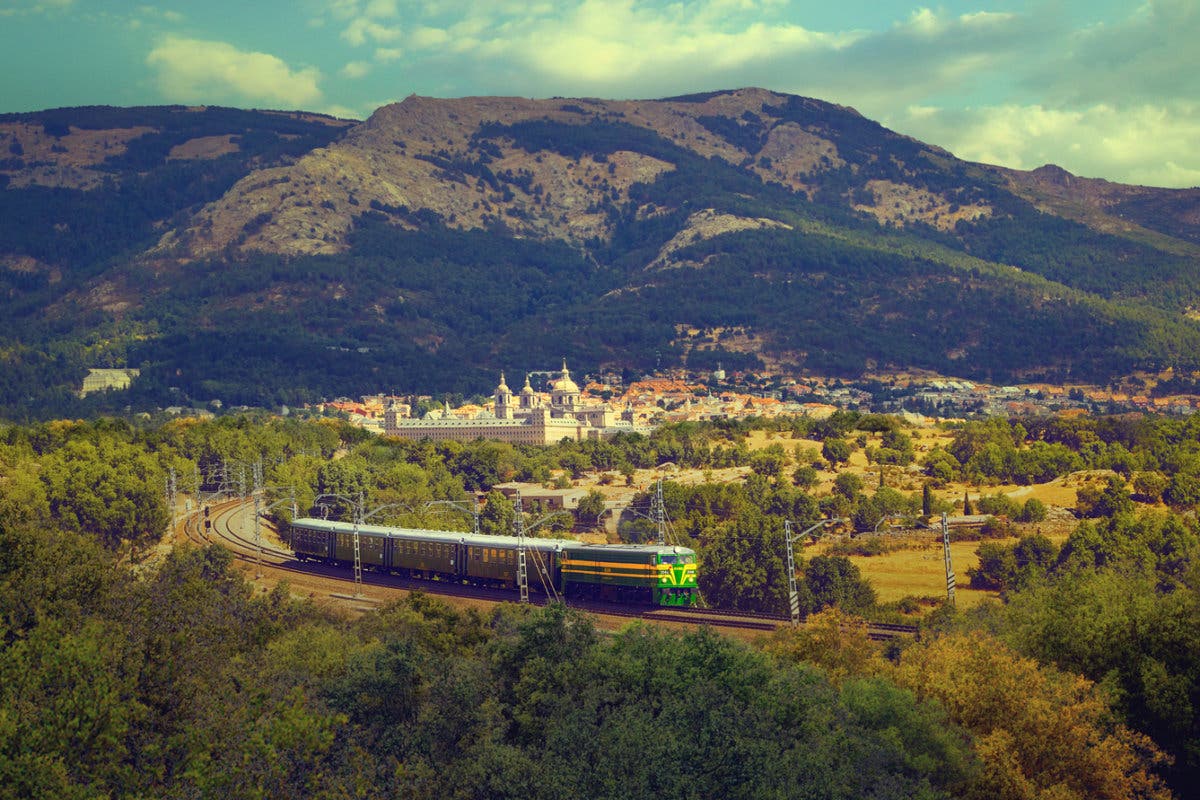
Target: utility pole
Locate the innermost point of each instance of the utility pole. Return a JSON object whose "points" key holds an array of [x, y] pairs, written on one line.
{"points": [[659, 511], [258, 488], [171, 492], [522, 573], [793, 594], [359, 512], [949, 566]]}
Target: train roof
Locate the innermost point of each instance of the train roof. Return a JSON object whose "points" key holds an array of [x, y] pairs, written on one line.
{"points": [[479, 540]]}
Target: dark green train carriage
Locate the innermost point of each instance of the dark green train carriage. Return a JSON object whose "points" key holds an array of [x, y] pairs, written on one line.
{"points": [[638, 574]]}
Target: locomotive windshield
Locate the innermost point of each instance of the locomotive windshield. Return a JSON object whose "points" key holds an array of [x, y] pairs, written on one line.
{"points": [[666, 558]]}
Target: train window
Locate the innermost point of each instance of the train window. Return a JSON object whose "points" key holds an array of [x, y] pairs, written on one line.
{"points": [[485, 554], [667, 559]]}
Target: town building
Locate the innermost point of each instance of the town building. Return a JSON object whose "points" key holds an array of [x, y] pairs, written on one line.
{"points": [[548, 499], [522, 418], [99, 380]]}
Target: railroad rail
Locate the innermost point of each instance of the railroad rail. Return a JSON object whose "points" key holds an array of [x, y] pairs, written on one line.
{"points": [[226, 530]]}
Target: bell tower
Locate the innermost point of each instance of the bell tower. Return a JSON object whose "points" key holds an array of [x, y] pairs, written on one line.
{"points": [[504, 396]]}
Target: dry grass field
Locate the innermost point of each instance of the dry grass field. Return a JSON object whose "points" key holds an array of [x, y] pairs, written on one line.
{"points": [[917, 569]]}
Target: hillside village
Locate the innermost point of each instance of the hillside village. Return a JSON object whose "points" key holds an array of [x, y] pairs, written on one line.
{"points": [[680, 396]]}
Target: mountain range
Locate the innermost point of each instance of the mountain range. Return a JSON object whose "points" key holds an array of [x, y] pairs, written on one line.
{"points": [[277, 257]]}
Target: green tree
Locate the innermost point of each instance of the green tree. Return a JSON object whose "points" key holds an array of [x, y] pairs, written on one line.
{"points": [[743, 565], [1110, 501], [805, 477], [107, 488], [848, 485], [1183, 489], [997, 568], [340, 485], [591, 508], [836, 581], [1150, 485], [770, 461], [835, 451], [69, 706], [1039, 732], [1034, 510], [941, 466], [1141, 643], [498, 515]]}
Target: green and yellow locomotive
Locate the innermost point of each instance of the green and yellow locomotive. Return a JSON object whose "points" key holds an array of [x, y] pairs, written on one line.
{"points": [[622, 573], [634, 573]]}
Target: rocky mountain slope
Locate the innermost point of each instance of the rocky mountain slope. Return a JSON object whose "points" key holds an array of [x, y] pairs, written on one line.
{"points": [[441, 239], [459, 160]]}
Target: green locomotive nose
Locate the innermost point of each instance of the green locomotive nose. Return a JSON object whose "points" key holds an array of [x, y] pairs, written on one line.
{"points": [[682, 575]]}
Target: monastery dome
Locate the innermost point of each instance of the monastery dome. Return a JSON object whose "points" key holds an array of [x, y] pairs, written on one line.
{"points": [[564, 383]]}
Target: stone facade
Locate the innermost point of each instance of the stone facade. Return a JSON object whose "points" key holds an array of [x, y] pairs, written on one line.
{"points": [[98, 380], [524, 418]]}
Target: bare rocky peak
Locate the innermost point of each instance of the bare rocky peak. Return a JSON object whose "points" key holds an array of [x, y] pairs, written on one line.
{"points": [[417, 158]]}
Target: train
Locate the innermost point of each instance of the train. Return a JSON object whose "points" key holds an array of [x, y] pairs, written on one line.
{"points": [[638, 574]]}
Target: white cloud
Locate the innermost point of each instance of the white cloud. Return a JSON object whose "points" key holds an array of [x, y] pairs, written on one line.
{"points": [[342, 112], [1145, 144], [603, 45], [426, 37], [343, 9], [362, 20], [355, 69], [982, 18], [1147, 57], [924, 21], [198, 71], [19, 8], [364, 29], [1038, 79], [380, 9]]}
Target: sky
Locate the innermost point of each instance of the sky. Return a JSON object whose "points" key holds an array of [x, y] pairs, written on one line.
{"points": [[1104, 88]]}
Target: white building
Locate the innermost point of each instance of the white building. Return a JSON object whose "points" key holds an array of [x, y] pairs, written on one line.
{"points": [[525, 418]]}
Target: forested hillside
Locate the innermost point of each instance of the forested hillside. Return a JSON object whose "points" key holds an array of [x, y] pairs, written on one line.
{"points": [[175, 678], [262, 258]]}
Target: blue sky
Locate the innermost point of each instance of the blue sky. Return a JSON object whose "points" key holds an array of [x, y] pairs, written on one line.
{"points": [[1105, 89]]}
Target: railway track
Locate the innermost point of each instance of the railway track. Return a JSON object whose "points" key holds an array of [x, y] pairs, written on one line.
{"points": [[227, 521]]}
